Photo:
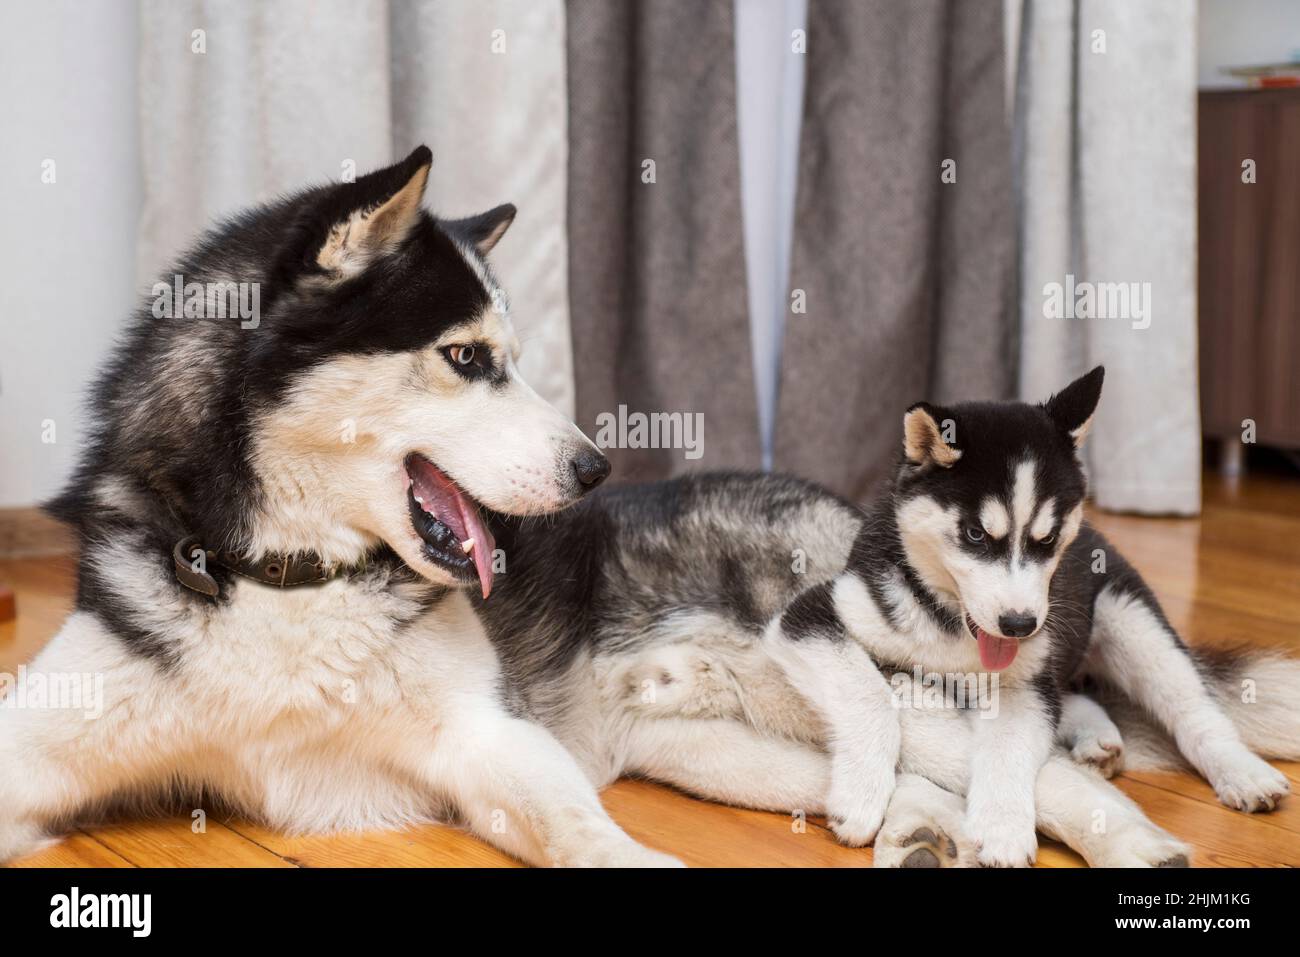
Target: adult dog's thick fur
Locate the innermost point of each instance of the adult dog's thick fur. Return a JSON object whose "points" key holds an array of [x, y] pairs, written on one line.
{"points": [[465, 656]]}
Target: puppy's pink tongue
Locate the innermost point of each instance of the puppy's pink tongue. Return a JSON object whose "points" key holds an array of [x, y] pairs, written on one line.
{"points": [[996, 653]]}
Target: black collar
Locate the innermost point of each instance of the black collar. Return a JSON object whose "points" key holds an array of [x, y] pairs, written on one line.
{"points": [[281, 571]]}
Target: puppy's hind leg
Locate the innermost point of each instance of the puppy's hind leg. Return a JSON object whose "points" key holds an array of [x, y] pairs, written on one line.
{"points": [[1071, 804], [1086, 731], [1134, 649], [1099, 821]]}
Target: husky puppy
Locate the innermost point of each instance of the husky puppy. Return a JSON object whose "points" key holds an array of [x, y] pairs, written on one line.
{"points": [[980, 561]]}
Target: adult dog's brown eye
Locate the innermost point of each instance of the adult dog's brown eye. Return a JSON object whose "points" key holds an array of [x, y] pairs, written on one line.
{"points": [[1047, 539], [461, 355]]}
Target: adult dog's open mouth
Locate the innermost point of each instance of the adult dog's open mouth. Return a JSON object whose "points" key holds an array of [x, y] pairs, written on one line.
{"points": [[448, 522], [996, 652]]}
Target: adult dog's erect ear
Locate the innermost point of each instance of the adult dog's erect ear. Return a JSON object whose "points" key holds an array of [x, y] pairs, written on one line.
{"points": [[485, 230], [385, 205], [344, 228], [1072, 408], [924, 438]]}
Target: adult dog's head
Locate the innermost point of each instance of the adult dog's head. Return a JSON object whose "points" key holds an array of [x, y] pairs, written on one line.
{"points": [[374, 397], [403, 412]]}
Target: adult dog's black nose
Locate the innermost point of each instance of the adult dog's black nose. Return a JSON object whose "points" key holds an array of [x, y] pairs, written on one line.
{"points": [[591, 468], [1017, 625]]}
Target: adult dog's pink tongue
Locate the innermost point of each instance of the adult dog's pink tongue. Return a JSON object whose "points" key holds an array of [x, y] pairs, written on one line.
{"points": [[484, 543], [996, 653], [443, 499]]}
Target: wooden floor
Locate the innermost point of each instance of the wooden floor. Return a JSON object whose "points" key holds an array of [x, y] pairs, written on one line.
{"points": [[1233, 574]]}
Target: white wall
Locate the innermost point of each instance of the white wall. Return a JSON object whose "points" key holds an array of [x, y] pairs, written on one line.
{"points": [[67, 252], [1245, 33]]}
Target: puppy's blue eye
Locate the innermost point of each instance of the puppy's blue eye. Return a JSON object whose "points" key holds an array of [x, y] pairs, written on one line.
{"points": [[461, 355], [975, 533]]}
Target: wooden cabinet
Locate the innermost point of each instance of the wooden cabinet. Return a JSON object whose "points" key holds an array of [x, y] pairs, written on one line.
{"points": [[1249, 265]]}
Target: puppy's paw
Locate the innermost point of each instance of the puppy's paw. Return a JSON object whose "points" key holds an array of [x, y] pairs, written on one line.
{"points": [[1248, 783], [855, 811], [924, 847], [1142, 844], [1104, 754], [923, 828], [852, 832], [1089, 734], [1003, 843]]}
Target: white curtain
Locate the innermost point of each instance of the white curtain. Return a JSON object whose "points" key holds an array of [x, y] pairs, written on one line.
{"points": [[483, 83], [769, 114], [1105, 116], [300, 91]]}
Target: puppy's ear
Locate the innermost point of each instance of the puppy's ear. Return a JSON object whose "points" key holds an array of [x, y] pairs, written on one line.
{"points": [[926, 431], [483, 231], [1073, 407]]}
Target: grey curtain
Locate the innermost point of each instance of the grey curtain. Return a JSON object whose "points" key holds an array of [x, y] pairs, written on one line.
{"points": [[657, 270], [907, 279], [1106, 140]]}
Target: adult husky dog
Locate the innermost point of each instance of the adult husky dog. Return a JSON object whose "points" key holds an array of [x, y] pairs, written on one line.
{"points": [[274, 551], [289, 582]]}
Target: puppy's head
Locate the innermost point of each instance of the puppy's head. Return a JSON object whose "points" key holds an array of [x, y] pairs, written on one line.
{"points": [[988, 496]]}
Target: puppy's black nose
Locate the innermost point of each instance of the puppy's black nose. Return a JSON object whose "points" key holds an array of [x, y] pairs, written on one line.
{"points": [[1017, 625], [591, 468]]}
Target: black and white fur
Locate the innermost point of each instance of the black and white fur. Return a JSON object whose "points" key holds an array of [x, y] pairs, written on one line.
{"points": [[374, 700], [629, 633], [983, 531]]}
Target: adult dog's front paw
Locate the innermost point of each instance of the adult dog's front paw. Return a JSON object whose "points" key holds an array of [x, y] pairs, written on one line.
{"points": [[1142, 844], [21, 838], [1001, 842], [620, 852]]}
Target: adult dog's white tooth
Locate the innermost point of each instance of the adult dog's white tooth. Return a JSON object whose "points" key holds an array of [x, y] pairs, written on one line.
{"points": [[420, 500], [467, 545]]}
